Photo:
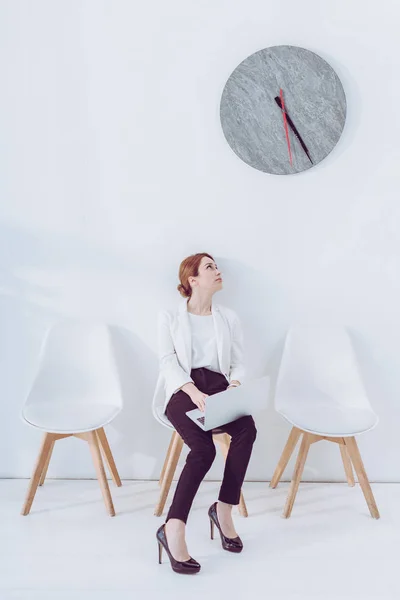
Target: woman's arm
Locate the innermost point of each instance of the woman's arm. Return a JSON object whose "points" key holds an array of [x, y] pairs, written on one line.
{"points": [[169, 365]]}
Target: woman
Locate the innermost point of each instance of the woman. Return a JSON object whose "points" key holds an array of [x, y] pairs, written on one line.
{"points": [[200, 348]]}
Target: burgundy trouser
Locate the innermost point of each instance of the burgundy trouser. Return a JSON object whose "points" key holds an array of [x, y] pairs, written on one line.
{"points": [[202, 449]]}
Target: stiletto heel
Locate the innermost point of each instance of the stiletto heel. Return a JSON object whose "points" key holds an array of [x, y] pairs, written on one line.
{"points": [[188, 567], [159, 552], [229, 544]]}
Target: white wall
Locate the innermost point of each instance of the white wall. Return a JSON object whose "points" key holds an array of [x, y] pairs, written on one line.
{"points": [[114, 168]]}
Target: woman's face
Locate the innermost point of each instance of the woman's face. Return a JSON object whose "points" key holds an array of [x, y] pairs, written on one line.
{"points": [[209, 277]]}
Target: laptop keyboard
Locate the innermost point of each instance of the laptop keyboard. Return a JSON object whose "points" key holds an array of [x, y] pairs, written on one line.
{"points": [[201, 420]]}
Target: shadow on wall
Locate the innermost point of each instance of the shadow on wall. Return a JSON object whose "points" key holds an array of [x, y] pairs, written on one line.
{"points": [[140, 442], [263, 306], [52, 272], [20, 250]]}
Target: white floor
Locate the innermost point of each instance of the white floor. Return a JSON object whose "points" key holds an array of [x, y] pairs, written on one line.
{"points": [[68, 548]]}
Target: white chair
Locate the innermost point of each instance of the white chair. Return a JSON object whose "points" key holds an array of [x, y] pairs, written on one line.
{"points": [[172, 458], [320, 393], [76, 392]]}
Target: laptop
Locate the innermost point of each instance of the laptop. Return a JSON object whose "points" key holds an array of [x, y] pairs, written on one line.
{"points": [[225, 407]]}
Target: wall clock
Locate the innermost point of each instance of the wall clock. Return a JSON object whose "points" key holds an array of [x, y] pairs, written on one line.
{"points": [[283, 110]]}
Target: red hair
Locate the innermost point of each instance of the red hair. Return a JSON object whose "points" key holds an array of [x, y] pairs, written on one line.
{"points": [[189, 267]]}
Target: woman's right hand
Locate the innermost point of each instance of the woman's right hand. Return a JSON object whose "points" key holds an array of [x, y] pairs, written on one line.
{"points": [[199, 399], [196, 396]]}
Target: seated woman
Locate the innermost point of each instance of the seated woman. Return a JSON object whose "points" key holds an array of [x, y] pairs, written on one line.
{"points": [[200, 347]]}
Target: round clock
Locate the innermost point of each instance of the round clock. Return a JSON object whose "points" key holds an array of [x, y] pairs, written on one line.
{"points": [[283, 110]]}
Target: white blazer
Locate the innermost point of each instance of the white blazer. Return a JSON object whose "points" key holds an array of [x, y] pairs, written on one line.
{"points": [[175, 351]]}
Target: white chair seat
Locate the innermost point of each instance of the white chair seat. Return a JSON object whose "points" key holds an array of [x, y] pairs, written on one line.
{"points": [[161, 417], [71, 416], [326, 419]]}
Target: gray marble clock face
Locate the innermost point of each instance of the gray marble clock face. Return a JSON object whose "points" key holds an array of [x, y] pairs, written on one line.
{"points": [[253, 123]]}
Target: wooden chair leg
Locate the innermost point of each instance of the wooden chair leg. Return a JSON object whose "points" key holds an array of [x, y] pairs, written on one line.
{"points": [[166, 460], [347, 464], [224, 441], [47, 444], [46, 466], [104, 445], [242, 506], [101, 474], [285, 457], [355, 456], [298, 471], [175, 452]]}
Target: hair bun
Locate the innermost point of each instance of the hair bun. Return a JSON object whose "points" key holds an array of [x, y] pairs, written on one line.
{"points": [[188, 268], [183, 291]]}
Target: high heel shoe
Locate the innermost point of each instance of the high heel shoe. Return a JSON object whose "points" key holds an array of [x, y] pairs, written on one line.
{"points": [[230, 544], [187, 567]]}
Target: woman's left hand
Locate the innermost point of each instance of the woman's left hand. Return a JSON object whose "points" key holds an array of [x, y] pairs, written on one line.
{"points": [[233, 384]]}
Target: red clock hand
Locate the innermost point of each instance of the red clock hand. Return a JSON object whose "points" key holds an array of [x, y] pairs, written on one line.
{"points": [[286, 127]]}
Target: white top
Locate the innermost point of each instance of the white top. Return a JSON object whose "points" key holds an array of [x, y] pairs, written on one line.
{"points": [[204, 343]]}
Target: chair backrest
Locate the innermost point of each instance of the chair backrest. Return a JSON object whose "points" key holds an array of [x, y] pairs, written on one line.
{"points": [[77, 363], [159, 402], [319, 366]]}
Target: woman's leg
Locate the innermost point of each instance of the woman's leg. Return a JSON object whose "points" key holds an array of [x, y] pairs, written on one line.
{"points": [[243, 434], [199, 459], [198, 462]]}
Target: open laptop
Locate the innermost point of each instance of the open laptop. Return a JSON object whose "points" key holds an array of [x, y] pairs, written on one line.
{"points": [[227, 406]]}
